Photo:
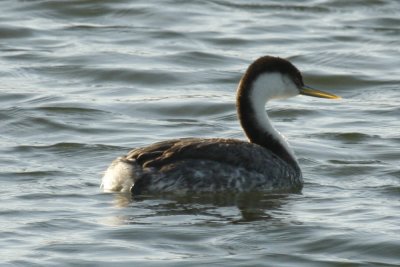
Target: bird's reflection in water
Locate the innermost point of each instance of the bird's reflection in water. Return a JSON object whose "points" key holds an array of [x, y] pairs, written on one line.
{"points": [[205, 208]]}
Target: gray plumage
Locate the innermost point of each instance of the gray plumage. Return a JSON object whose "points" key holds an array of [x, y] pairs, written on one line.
{"points": [[208, 165]]}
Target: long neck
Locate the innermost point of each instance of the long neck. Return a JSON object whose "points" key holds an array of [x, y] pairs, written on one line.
{"points": [[251, 100]]}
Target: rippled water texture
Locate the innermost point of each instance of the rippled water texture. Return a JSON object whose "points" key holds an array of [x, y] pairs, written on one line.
{"points": [[82, 82]]}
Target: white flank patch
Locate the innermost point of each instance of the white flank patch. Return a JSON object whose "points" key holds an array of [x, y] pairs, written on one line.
{"points": [[118, 177]]}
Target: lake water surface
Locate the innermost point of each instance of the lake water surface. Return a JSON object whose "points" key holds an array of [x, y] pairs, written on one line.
{"points": [[82, 82]]}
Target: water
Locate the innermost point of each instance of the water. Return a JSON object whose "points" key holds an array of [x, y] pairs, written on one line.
{"points": [[82, 82]]}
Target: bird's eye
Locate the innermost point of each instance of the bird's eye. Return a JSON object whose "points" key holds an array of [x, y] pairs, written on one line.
{"points": [[298, 81]]}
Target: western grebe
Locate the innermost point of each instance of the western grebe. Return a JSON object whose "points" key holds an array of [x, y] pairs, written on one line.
{"points": [[265, 163]]}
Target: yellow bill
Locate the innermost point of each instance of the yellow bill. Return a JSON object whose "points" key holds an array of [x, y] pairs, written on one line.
{"points": [[306, 90]]}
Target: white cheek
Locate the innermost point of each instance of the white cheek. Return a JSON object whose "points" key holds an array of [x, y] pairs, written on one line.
{"points": [[273, 86], [268, 86], [290, 88]]}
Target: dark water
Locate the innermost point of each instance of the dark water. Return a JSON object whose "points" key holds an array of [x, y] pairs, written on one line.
{"points": [[82, 82]]}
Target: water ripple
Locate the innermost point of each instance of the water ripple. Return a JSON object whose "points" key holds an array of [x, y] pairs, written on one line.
{"points": [[83, 82]]}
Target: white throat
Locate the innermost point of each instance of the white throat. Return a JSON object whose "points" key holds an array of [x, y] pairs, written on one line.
{"points": [[271, 86]]}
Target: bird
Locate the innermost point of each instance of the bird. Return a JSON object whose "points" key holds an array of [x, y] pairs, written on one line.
{"points": [[263, 163]]}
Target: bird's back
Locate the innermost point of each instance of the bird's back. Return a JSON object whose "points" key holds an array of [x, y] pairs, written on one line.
{"points": [[206, 165]]}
